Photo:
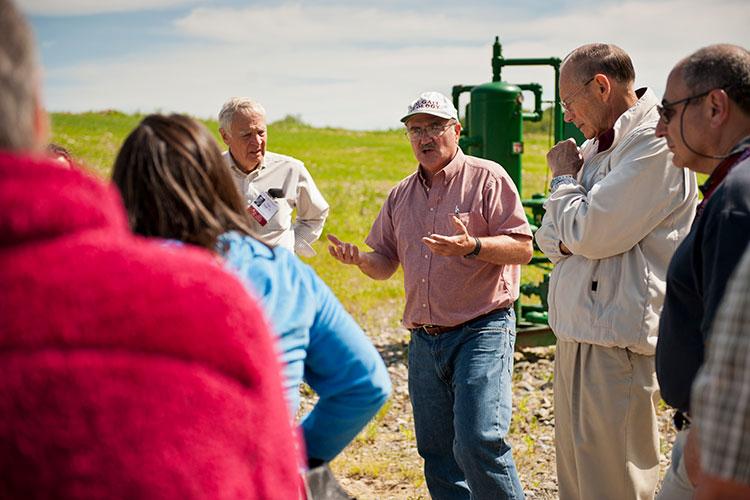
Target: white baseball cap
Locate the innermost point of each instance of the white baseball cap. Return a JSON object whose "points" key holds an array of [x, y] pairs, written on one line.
{"points": [[432, 103]]}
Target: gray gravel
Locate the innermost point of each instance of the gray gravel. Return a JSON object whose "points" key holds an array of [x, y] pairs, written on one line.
{"points": [[383, 463]]}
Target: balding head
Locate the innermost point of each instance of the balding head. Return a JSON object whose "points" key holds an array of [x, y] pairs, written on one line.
{"points": [[600, 58], [706, 107], [20, 125], [721, 66], [596, 87]]}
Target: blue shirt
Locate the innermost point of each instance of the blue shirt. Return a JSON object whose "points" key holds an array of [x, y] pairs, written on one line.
{"points": [[319, 341]]}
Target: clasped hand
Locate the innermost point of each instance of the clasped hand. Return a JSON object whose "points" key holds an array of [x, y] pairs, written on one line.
{"points": [[565, 158]]}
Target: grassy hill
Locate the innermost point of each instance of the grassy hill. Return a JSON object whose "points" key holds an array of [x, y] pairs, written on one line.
{"points": [[354, 170]]}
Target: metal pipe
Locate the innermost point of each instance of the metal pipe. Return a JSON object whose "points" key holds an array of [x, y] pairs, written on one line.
{"points": [[497, 57], [498, 61], [536, 115], [457, 91], [531, 61]]}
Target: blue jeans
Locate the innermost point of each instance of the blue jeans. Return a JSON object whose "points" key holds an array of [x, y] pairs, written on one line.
{"points": [[460, 389]]}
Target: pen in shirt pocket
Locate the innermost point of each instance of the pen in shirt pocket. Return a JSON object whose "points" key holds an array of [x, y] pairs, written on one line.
{"points": [[455, 211]]}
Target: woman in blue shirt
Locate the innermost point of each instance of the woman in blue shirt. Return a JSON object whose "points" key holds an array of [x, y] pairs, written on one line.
{"points": [[175, 185]]}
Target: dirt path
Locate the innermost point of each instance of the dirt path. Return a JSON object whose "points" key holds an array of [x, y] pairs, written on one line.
{"points": [[382, 463]]}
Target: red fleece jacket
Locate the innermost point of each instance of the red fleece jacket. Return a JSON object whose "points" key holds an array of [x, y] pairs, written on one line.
{"points": [[127, 369]]}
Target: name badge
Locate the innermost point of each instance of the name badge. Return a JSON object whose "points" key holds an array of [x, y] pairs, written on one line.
{"points": [[263, 208]]}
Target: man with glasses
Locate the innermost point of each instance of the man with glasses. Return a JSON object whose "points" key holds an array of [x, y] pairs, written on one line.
{"points": [[616, 212], [705, 118], [458, 229]]}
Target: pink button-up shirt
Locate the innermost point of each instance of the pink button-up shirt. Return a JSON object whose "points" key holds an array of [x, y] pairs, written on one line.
{"points": [[448, 291]]}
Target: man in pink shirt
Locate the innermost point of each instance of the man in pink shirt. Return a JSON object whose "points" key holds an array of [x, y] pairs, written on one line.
{"points": [[457, 227]]}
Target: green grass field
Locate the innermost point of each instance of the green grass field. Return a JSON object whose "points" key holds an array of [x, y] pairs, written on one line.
{"points": [[354, 170]]}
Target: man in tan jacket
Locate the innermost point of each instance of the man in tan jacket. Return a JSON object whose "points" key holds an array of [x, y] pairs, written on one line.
{"points": [[617, 210]]}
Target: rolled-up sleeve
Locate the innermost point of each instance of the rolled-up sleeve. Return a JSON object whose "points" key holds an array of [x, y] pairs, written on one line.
{"points": [[382, 237], [505, 213]]}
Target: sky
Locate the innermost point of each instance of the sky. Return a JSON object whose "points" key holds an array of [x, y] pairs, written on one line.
{"points": [[342, 63]]}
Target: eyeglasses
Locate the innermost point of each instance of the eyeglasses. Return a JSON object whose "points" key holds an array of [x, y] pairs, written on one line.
{"points": [[566, 105], [431, 131], [666, 110]]}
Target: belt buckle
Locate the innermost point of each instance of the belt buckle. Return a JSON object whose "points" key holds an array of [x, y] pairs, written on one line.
{"points": [[424, 328]]}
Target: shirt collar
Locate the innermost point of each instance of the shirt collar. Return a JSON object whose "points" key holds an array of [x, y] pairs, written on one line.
{"points": [[449, 171], [233, 165], [605, 140], [626, 121], [738, 153]]}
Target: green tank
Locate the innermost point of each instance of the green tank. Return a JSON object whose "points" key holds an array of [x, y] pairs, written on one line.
{"points": [[493, 129], [495, 125]]}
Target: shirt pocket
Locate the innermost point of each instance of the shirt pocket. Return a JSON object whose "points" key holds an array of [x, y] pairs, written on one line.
{"points": [[475, 223], [282, 220]]}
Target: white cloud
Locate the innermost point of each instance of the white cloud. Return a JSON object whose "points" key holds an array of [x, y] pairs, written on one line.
{"points": [[358, 68], [85, 7], [328, 25]]}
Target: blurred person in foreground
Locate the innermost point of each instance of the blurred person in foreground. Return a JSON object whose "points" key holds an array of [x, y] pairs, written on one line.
{"points": [[128, 370], [272, 185], [705, 118], [616, 212], [458, 229], [175, 186], [721, 396]]}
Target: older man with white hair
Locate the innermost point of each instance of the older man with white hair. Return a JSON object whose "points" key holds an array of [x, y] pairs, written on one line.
{"points": [[617, 211], [274, 185]]}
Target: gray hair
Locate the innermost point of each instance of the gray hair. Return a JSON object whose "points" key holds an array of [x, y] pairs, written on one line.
{"points": [[605, 58], [236, 104], [18, 80], [721, 66]]}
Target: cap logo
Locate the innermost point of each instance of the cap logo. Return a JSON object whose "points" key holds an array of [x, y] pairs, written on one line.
{"points": [[432, 103], [424, 103]]}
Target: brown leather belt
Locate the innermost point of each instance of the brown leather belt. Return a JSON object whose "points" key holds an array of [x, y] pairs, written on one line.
{"points": [[435, 330]]}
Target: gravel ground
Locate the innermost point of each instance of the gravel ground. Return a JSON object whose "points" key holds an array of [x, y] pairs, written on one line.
{"points": [[382, 463]]}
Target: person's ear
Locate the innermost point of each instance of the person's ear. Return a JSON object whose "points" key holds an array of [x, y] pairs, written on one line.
{"points": [[602, 86], [718, 104], [224, 136]]}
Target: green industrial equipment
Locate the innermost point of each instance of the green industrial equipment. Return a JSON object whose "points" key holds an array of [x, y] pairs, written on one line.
{"points": [[493, 129]]}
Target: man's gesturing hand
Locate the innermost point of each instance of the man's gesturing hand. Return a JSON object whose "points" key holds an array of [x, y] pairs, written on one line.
{"points": [[459, 244], [347, 253]]}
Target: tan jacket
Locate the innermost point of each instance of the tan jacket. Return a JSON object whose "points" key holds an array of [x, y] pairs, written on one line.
{"points": [[622, 221]]}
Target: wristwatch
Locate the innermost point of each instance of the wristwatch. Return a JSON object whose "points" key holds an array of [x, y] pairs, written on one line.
{"points": [[477, 248], [559, 181]]}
